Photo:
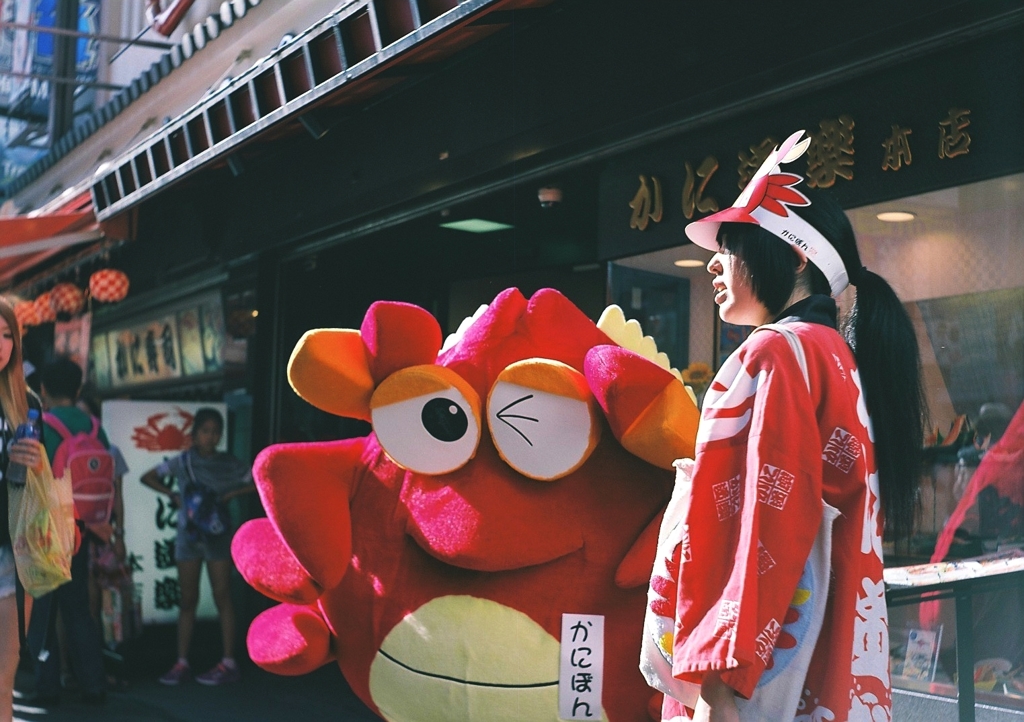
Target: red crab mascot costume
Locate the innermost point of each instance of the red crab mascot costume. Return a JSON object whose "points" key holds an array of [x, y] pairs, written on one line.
{"points": [[513, 476]]}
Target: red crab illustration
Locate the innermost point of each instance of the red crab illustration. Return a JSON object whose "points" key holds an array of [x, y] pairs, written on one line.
{"points": [[166, 437], [519, 474]]}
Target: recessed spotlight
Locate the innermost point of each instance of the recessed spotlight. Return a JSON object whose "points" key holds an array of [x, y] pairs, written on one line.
{"points": [[896, 216], [549, 196], [689, 263], [476, 225]]}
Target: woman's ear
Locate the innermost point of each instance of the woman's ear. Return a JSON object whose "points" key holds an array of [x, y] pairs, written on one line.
{"points": [[802, 272]]}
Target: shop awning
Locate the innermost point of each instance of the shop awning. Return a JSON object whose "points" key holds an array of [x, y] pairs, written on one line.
{"points": [[353, 54], [22, 235], [28, 240]]}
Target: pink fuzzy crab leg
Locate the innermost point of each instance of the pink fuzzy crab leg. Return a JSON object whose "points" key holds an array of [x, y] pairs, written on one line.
{"points": [[269, 566], [290, 639], [305, 491]]}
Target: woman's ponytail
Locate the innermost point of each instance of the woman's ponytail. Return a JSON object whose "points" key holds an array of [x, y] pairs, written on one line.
{"points": [[884, 342]]}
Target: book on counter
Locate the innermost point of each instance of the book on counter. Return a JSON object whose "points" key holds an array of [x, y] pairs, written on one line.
{"points": [[987, 565]]}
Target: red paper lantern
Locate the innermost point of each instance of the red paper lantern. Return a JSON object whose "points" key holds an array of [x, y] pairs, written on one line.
{"points": [[67, 298], [45, 308], [108, 285], [26, 313]]}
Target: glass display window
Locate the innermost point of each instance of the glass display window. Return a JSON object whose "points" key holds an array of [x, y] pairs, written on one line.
{"points": [[954, 258]]}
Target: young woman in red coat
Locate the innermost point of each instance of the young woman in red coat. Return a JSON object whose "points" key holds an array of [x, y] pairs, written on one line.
{"points": [[806, 452]]}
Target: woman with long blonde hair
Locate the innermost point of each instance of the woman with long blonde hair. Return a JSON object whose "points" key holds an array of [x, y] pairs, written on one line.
{"points": [[14, 404]]}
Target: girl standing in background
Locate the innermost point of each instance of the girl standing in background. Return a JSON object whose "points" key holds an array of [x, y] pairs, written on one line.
{"points": [[227, 477]]}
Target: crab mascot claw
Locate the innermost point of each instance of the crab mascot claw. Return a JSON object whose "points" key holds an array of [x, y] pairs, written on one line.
{"points": [[506, 502]]}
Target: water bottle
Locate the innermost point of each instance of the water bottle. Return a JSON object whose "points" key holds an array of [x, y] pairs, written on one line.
{"points": [[16, 473]]}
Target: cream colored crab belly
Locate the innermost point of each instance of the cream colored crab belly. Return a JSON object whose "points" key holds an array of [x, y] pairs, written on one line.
{"points": [[464, 659]]}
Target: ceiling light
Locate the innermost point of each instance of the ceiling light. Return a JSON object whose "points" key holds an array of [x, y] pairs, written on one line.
{"points": [[476, 225], [690, 263], [549, 196], [896, 216]]}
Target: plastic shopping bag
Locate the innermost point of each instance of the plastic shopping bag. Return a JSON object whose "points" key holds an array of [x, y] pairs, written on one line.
{"points": [[659, 620], [121, 612], [42, 526], [120, 596]]}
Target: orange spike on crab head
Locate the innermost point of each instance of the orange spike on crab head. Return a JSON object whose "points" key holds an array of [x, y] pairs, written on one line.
{"points": [[330, 370], [648, 409]]}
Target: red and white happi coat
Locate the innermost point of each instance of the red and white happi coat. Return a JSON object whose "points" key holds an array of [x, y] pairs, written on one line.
{"points": [[774, 571]]}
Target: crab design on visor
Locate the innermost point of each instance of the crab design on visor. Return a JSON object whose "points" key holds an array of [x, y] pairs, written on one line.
{"points": [[765, 202]]}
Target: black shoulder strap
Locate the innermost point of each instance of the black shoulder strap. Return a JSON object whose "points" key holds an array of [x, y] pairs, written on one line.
{"points": [[186, 461], [19, 598]]}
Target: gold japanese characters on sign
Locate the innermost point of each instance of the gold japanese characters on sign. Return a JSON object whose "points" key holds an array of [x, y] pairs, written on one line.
{"points": [[646, 205], [954, 139], [830, 154], [897, 149], [693, 194]]}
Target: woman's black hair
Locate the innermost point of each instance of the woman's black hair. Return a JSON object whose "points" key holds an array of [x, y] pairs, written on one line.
{"points": [[767, 261], [205, 414], [877, 328], [90, 397]]}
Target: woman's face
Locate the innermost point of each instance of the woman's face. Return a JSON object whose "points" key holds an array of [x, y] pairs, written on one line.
{"points": [[734, 295], [6, 343], [206, 437]]}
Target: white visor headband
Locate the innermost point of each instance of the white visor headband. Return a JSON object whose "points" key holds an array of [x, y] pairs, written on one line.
{"points": [[765, 202]]}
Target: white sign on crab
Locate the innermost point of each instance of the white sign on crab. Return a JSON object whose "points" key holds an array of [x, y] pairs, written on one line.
{"points": [[147, 432]]}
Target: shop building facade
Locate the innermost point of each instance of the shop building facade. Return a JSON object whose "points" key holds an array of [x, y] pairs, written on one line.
{"points": [[640, 118]]}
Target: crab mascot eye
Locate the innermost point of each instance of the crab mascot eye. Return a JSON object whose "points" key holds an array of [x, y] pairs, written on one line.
{"points": [[543, 418], [427, 418]]}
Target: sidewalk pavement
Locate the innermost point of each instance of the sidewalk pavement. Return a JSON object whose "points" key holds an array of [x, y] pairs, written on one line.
{"points": [[324, 696], [321, 696], [318, 697], [259, 697]]}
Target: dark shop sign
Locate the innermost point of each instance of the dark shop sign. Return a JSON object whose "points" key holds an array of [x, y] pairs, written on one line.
{"points": [[906, 132]]}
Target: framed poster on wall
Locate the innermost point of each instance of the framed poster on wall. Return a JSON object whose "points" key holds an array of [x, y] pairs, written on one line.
{"points": [[185, 339], [71, 339], [99, 361], [145, 352], [201, 333], [190, 337], [211, 317]]}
